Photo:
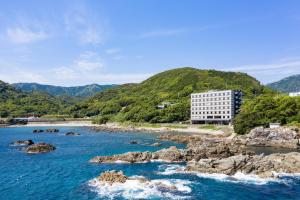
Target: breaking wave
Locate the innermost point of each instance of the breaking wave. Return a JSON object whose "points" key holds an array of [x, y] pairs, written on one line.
{"points": [[135, 189], [284, 178]]}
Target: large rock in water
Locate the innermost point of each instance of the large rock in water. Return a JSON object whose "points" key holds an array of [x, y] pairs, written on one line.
{"points": [[40, 148], [112, 177], [275, 137], [22, 143], [72, 134], [52, 130], [263, 166], [171, 154]]}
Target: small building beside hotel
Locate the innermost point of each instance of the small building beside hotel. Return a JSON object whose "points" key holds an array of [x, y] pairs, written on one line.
{"points": [[217, 107]]}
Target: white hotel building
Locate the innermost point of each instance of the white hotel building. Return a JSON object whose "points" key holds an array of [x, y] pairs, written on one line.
{"points": [[215, 106], [294, 94]]}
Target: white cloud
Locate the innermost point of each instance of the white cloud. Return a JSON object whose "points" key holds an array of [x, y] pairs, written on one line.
{"points": [[87, 28], [270, 72], [163, 32], [89, 61], [21, 35], [112, 51]]}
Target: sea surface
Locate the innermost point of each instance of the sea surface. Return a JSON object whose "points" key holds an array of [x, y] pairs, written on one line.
{"points": [[66, 173]]}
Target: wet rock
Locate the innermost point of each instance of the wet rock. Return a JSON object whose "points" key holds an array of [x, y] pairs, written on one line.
{"points": [[22, 143], [40, 148], [112, 177], [38, 131], [52, 130], [72, 134], [133, 142]]}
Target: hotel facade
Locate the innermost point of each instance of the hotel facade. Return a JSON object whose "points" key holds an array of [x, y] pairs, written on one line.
{"points": [[217, 107], [294, 94]]}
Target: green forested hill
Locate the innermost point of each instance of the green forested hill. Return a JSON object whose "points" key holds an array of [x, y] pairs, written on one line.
{"points": [[138, 102], [289, 84], [75, 91], [15, 103]]}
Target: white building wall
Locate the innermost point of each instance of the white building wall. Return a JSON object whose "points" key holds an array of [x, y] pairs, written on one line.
{"points": [[294, 94], [213, 106]]}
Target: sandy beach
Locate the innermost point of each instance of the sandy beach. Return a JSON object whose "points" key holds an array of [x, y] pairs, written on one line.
{"points": [[190, 129]]}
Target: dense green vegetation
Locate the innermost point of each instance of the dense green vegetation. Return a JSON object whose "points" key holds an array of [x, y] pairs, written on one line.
{"points": [[76, 91], [138, 102], [15, 103], [266, 109], [289, 84]]}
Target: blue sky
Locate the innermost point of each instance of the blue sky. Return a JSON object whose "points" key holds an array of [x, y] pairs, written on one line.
{"points": [[119, 41]]}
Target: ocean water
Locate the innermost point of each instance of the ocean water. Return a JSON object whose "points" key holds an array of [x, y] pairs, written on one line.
{"points": [[66, 173]]}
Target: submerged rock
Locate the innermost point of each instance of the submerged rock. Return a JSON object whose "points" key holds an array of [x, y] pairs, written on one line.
{"points": [[52, 130], [156, 144], [38, 131], [72, 134], [22, 143], [40, 148], [171, 154]]}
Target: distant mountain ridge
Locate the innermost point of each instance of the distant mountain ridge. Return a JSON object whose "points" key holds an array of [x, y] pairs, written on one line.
{"points": [[74, 91], [16, 103], [288, 84]]}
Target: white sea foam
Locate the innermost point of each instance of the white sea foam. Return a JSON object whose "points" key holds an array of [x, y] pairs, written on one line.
{"points": [[136, 189], [170, 169]]}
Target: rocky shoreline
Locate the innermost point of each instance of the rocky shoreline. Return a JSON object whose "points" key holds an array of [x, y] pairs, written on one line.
{"points": [[211, 154]]}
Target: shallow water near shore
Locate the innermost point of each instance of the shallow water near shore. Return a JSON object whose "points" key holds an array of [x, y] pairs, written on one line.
{"points": [[66, 173]]}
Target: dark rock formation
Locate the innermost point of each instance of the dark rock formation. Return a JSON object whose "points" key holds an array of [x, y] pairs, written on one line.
{"points": [[72, 134], [52, 130], [40, 148], [38, 131], [133, 142]]}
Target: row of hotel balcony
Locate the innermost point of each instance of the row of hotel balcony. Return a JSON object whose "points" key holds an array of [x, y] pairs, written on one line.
{"points": [[210, 99], [211, 94]]}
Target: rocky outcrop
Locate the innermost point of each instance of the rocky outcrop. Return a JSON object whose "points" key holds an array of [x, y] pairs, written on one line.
{"points": [[112, 177], [38, 131], [72, 134], [133, 142], [274, 137], [22, 143], [52, 130], [214, 148], [49, 130], [263, 166], [40, 148], [171, 154]]}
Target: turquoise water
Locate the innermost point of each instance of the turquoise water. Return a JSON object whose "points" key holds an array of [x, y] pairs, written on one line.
{"points": [[66, 172]]}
